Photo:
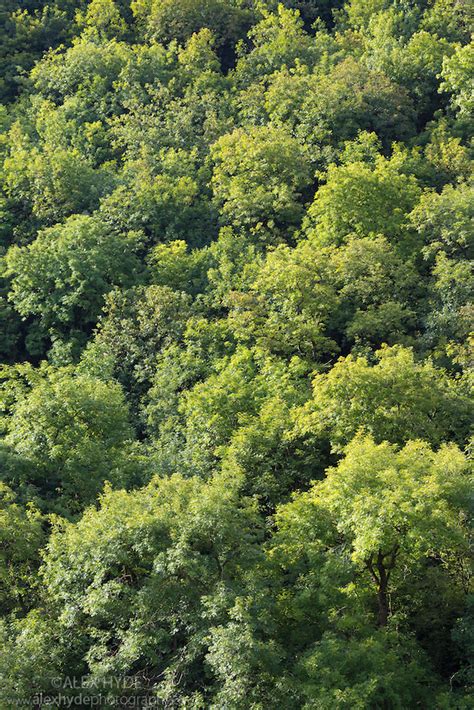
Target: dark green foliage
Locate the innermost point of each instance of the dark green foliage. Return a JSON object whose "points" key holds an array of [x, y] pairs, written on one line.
{"points": [[61, 278], [236, 286], [66, 435]]}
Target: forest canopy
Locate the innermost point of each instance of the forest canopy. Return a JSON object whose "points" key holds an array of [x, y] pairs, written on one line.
{"points": [[236, 246]]}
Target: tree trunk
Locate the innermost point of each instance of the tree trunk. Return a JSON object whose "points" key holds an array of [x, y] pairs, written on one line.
{"points": [[382, 597], [380, 572], [382, 600]]}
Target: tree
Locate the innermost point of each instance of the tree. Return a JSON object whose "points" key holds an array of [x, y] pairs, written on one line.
{"points": [[378, 291], [62, 277], [449, 19], [456, 73], [447, 155], [391, 507], [302, 299], [28, 30], [238, 418], [212, 409], [145, 576], [163, 196], [449, 322], [136, 326], [398, 43], [258, 178], [51, 178], [364, 200], [394, 398], [277, 41], [288, 304], [21, 538], [316, 628], [329, 106], [71, 433], [84, 75], [164, 21], [366, 671], [173, 265], [102, 20], [444, 221]]}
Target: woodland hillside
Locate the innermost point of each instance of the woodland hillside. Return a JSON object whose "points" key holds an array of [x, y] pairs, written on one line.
{"points": [[236, 244]]}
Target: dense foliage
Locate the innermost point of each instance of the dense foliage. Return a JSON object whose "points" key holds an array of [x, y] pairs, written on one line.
{"points": [[235, 300]]}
